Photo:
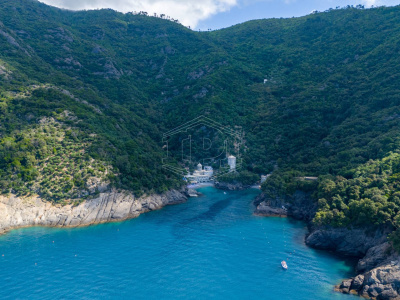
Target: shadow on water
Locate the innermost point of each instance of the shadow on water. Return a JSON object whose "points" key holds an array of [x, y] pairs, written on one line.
{"points": [[213, 211]]}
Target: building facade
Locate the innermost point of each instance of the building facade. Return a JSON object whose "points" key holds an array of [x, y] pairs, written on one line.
{"points": [[201, 175], [232, 163]]}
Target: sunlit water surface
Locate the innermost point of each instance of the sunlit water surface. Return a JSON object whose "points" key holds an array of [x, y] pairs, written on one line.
{"points": [[210, 247]]}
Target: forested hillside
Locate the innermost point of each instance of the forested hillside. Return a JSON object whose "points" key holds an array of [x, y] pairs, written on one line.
{"points": [[316, 96]]}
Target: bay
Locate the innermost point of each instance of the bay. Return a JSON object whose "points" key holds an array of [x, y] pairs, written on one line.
{"points": [[211, 247]]}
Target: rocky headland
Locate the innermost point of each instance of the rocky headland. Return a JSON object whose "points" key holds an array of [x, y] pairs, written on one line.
{"points": [[378, 268], [109, 206], [231, 186]]}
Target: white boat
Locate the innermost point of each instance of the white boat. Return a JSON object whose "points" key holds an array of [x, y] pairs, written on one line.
{"points": [[284, 265], [225, 193]]}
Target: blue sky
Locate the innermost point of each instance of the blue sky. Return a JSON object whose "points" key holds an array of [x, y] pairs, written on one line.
{"points": [[215, 14], [259, 9]]}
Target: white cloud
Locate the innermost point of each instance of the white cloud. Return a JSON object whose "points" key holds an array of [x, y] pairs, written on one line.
{"points": [[188, 12], [370, 2]]}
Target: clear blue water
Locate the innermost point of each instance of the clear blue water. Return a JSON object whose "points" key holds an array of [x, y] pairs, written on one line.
{"points": [[210, 247]]}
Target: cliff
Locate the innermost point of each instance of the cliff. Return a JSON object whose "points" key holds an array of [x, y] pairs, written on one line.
{"points": [[378, 269], [107, 207], [299, 206], [231, 186]]}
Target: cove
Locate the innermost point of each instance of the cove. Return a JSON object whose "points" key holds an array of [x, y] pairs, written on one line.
{"points": [[210, 247]]}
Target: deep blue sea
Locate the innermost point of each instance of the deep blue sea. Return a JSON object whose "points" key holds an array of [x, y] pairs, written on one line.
{"points": [[211, 247]]}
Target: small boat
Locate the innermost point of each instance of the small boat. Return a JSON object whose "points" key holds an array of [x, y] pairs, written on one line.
{"points": [[225, 193], [284, 265]]}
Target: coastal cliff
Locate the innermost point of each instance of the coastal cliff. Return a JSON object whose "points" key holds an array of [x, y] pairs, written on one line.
{"points": [[378, 268], [111, 206], [231, 186], [298, 206]]}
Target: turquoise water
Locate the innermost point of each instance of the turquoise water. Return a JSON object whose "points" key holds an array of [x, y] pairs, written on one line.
{"points": [[210, 247]]}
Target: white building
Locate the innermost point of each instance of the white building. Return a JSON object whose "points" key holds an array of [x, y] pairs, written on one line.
{"points": [[201, 175], [232, 163], [264, 178], [208, 171]]}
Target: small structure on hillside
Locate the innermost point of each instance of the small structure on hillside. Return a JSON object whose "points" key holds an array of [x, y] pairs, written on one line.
{"points": [[309, 178], [232, 163], [264, 178]]}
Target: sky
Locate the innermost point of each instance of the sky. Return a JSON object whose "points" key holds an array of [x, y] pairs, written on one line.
{"points": [[216, 14]]}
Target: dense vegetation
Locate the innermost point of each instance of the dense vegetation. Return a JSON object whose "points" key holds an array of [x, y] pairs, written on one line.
{"points": [[371, 195], [50, 159], [315, 96]]}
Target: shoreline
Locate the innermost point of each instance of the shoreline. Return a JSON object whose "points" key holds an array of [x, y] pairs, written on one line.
{"points": [[6, 231], [36, 212], [206, 184], [110, 207], [377, 271], [200, 185], [18, 213]]}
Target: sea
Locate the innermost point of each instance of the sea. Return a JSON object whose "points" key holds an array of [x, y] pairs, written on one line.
{"points": [[211, 247]]}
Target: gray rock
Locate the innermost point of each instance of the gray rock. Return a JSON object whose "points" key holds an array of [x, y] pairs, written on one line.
{"points": [[372, 291], [264, 209], [379, 268], [111, 206], [196, 74], [192, 193], [382, 282], [351, 242], [364, 291], [345, 286], [357, 282], [235, 186], [299, 206], [11, 40], [374, 257], [388, 294]]}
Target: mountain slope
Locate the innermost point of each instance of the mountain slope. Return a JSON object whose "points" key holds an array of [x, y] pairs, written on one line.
{"points": [[330, 102]]}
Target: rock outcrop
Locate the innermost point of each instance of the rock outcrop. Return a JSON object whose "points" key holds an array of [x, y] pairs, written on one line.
{"points": [[378, 269], [265, 209], [111, 206], [350, 242], [192, 193], [235, 186], [299, 206], [379, 276], [381, 283]]}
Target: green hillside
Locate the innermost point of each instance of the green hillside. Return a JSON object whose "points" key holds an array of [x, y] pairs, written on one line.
{"points": [[108, 84]]}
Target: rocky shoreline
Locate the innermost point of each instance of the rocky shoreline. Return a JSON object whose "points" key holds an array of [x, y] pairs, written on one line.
{"points": [[110, 206], [235, 186], [378, 268]]}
